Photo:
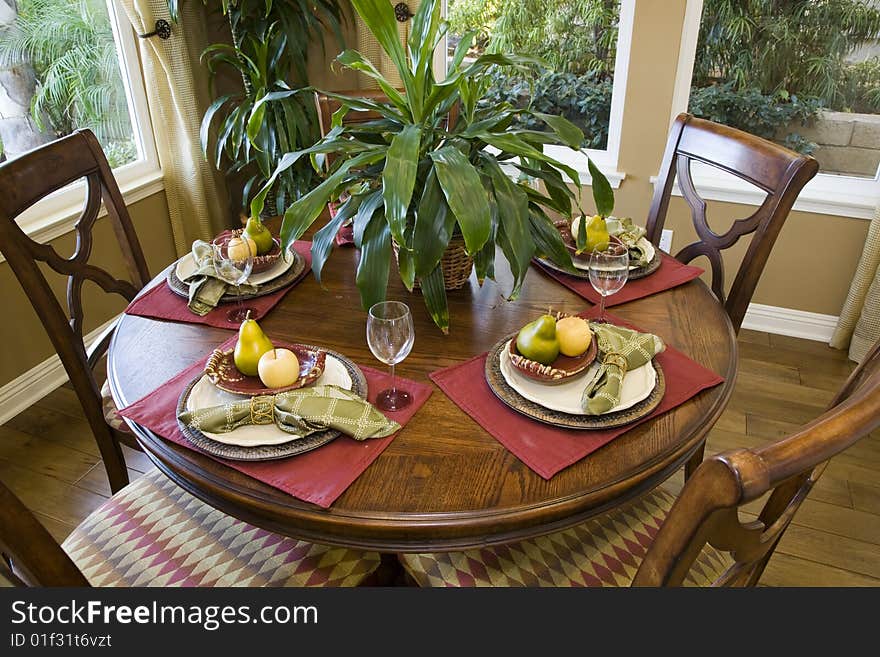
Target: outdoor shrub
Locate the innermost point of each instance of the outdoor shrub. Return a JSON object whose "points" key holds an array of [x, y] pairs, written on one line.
{"points": [[765, 115]]}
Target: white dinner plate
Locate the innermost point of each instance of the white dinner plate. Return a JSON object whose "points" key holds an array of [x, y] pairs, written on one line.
{"points": [[643, 243], [566, 397], [205, 394], [186, 266]]}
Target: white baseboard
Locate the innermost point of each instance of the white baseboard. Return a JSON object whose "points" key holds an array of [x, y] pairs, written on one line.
{"points": [[786, 321], [39, 381], [34, 384]]}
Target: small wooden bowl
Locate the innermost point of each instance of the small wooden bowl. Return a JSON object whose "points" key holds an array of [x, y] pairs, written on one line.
{"points": [[560, 370], [222, 372], [261, 262], [564, 229]]}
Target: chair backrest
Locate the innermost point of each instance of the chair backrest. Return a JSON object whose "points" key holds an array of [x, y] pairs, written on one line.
{"points": [[707, 511], [30, 556], [779, 172], [24, 181]]}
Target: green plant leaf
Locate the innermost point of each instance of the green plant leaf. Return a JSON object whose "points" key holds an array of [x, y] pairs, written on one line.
{"points": [[375, 261], [406, 265], [581, 241], [355, 60], [434, 293], [567, 131], [399, 177], [433, 227], [204, 130], [513, 144], [465, 194], [513, 235], [548, 241], [258, 113], [322, 242], [602, 192], [303, 212], [372, 202]]}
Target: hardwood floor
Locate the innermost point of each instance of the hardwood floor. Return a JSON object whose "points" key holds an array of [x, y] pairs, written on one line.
{"points": [[49, 458]]}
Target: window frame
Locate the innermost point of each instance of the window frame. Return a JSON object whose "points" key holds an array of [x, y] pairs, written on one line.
{"points": [[827, 193], [57, 213], [607, 159]]}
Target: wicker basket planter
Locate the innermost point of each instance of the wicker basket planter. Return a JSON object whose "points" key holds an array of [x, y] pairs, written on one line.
{"points": [[455, 263]]}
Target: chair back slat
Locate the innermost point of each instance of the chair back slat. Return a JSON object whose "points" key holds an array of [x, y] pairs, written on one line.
{"points": [[23, 182], [779, 172]]}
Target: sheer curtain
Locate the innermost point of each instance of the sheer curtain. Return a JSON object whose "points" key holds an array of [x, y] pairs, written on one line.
{"points": [[859, 325], [177, 92], [370, 48]]}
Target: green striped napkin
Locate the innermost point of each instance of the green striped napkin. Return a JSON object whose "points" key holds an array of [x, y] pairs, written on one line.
{"points": [[629, 234], [621, 350], [301, 412], [205, 287]]}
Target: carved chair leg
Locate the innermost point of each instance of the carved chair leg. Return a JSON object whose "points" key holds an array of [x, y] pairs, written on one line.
{"points": [[389, 573], [694, 461]]}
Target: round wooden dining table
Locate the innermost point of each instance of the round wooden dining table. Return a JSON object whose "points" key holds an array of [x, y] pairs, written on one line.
{"points": [[443, 483]]}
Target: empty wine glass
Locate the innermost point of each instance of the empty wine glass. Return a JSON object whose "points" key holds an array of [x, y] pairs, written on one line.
{"points": [[609, 270], [390, 335], [235, 271]]}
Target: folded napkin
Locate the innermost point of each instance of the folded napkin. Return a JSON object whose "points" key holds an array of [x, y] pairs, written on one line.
{"points": [[205, 287], [626, 232], [622, 349], [301, 412]]}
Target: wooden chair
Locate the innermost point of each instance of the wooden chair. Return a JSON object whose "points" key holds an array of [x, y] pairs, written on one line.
{"points": [[24, 181], [697, 539], [779, 172], [153, 533]]}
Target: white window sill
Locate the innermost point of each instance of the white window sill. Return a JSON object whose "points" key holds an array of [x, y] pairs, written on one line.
{"points": [[826, 194], [59, 218]]}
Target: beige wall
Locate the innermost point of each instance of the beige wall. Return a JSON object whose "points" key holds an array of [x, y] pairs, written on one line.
{"points": [[24, 341]]}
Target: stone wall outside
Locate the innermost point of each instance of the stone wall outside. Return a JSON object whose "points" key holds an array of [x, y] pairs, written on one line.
{"points": [[849, 143]]}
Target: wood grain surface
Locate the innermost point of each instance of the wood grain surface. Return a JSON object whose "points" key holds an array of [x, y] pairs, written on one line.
{"points": [[444, 483]]}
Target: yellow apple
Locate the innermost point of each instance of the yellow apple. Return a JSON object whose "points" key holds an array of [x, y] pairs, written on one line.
{"points": [[236, 248], [574, 335], [278, 368]]}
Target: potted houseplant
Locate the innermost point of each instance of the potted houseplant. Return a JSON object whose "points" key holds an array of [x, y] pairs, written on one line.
{"points": [[247, 131], [416, 177]]}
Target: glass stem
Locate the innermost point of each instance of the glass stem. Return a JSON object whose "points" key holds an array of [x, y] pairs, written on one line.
{"points": [[602, 308], [393, 388]]}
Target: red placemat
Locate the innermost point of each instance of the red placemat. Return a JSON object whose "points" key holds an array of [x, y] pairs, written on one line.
{"points": [[670, 274], [319, 476], [547, 449], [161, 303]]}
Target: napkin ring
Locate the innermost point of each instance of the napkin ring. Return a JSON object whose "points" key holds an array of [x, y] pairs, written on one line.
{"points": [[615, 359], [263, 409]]}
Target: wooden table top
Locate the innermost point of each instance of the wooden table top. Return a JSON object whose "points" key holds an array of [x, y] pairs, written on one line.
{"points": [[444, 482]]}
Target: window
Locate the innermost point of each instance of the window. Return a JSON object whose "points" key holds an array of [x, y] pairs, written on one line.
{"points": [[76, 66], [585, 44], [805, 74]]}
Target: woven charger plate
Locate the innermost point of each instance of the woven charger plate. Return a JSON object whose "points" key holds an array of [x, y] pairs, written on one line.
{"points": [[634, 274], [296, 445], [517, 402], [293, 274]]}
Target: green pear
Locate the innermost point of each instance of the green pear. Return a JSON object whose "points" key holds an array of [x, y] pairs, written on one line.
{"points": [[262, 236], [596, 233], [252, 343], [537, 340]]}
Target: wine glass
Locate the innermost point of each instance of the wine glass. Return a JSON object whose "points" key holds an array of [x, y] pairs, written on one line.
{"points": [[609, 270], [390, 335], [234, 272]]}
